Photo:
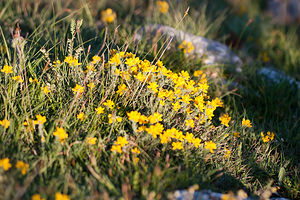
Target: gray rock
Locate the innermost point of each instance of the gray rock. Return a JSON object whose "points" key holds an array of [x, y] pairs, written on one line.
{"points": [[277, 76], [209, 195], [210, 51], [284, 12]]}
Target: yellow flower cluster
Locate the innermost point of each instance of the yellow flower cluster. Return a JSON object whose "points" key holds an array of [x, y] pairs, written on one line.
{"points": [[78, 89], [162, 6], [211, 146], [177, 90], [60, 196], [121, 142], [45, 89], [18, 79], [72, 61], [246, 123], [113, 118], [39, 120], [225, 119], [91, 140], [4, 163], [22, 166], [37, 197], [186, 47], [80, 116], [108, 15], [61, 134], [7, 69], [5, 123], [268, 137], [109, 103]]}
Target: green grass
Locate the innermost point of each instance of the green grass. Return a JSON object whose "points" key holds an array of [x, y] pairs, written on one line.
{"points": [[85, 171]]}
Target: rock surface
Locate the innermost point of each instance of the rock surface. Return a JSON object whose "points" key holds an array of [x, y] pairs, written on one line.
{"points": [[209, 195], [277, 76], [284, 12], [210, 51]]}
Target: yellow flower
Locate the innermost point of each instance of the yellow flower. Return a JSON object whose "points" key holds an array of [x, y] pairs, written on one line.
{"points": [[161, 94], [217, 102], [163, 6], [34, 80], [122, 141], [153, 86], [189, 123], [236, 134], [18, 79], [108, 15], [198, 73], [91, 85], [80, 116], [268, 137], [162, 103], [134, 116], [96, 59], [186, 99], [187, 47], [55, 63], [140, 77], [112, 118], [60, 196], [115, 59], [121, 89], [188, 111], [246, 123], [141, 129], [5, 123], [185, 75], [61, 134], [4, 163], [90, 68], [45, 90], [143, 119], [116, 148], [211, 146], [227, 153], [225, 119], [266, 58], [109, 103], [78, 89], [91, 140], [155, 130], [39, 119], [7, 69], [99, 110], [177, 145], [197, 142], [132, 61], [176, 106], [156, 117], [72, 61], [43, 139], [164, 138], [135, 150], [136, 160], [189, 137], [37, 197], [22, 166]]}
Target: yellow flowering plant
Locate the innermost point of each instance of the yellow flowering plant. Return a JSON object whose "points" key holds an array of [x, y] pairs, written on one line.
{"points": [[136, 121]]}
